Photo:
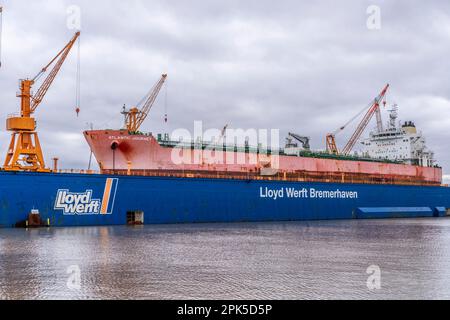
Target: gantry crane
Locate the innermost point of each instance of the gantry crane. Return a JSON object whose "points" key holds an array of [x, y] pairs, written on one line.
{"points": [[135, 116], [24, 152], [374, 108]]}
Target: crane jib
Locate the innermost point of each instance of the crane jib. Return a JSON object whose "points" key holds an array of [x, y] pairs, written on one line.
{"points": [[371, 110], [135, 117]]}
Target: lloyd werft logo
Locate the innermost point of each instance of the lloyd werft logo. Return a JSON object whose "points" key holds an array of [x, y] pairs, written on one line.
{"points": [[73, 203]]}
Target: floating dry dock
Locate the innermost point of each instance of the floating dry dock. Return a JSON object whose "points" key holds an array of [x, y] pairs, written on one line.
{"points": [[98, 200]]}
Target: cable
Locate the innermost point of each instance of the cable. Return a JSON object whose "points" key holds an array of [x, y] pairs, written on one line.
{"points": [[78, 84], [108, 121], [353, 119], [166, 117]]}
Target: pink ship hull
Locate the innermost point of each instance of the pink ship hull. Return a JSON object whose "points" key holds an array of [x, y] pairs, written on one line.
{"points": [[142, 152]]}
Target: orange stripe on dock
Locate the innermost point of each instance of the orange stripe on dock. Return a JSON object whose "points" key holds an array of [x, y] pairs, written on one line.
{"points": [[106, 196]]}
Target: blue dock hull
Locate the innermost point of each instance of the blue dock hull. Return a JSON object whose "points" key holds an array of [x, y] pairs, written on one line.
{"points": [[92, 200]]}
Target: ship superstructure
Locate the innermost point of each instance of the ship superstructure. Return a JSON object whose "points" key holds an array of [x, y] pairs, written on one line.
{"points": [[400, 142]]}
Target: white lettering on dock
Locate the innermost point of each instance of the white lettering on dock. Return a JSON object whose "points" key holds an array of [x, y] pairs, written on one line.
{"points": [[272, 194], [77, 203], [304, 193]]}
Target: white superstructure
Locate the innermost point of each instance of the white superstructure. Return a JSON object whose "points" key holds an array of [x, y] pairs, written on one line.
{"points": [[399, 142]]}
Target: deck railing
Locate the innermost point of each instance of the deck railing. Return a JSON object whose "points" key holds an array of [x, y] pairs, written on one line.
{"points": [[281, 176]]}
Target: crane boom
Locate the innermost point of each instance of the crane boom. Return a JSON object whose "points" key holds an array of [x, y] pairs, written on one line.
{"points": [[380, 127], [61, 56], [137, 115], [375, 108]]}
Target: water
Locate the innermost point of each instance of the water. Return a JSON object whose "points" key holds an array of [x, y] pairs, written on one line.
{"points": [[315, 260]]}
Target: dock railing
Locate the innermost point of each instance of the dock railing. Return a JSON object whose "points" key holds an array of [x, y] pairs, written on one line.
{"points": [[280, 176]]}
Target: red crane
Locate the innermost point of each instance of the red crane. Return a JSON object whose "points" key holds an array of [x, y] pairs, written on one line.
{"points": [[374, 108]]}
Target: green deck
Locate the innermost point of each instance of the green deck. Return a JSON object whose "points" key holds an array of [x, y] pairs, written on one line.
{"points": [[260, 150]]}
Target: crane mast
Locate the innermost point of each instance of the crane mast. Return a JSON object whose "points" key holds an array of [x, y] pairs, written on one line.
{"points": [[331, 144], [24, 152], [137, 115]]}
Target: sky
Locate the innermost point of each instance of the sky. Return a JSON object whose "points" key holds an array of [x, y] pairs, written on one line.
{"points": [[297, 66]]}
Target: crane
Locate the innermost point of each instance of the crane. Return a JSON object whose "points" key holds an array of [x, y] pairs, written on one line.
{"points": [[303, 140], [374, 108], [24, 152], [135, 116]]}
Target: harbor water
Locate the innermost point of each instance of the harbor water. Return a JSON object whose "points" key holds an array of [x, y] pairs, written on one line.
{"points": [[297, 260]]}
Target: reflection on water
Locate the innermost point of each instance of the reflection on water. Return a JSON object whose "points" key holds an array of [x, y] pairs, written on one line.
{"points": [[315, 260]]}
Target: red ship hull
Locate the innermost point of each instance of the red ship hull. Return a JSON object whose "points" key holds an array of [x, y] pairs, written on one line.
{"points": [[143, 153]]}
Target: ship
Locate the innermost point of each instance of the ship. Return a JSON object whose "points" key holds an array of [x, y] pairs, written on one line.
{"points": [[128, 151], [119, 152], [157, 179]]}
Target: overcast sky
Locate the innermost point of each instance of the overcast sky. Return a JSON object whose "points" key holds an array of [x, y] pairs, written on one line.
{"points": [[298, 66]]}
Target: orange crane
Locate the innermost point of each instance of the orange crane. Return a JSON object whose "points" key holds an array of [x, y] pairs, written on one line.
{"points": [[135, 116], [374, 108], [24, 152]]}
